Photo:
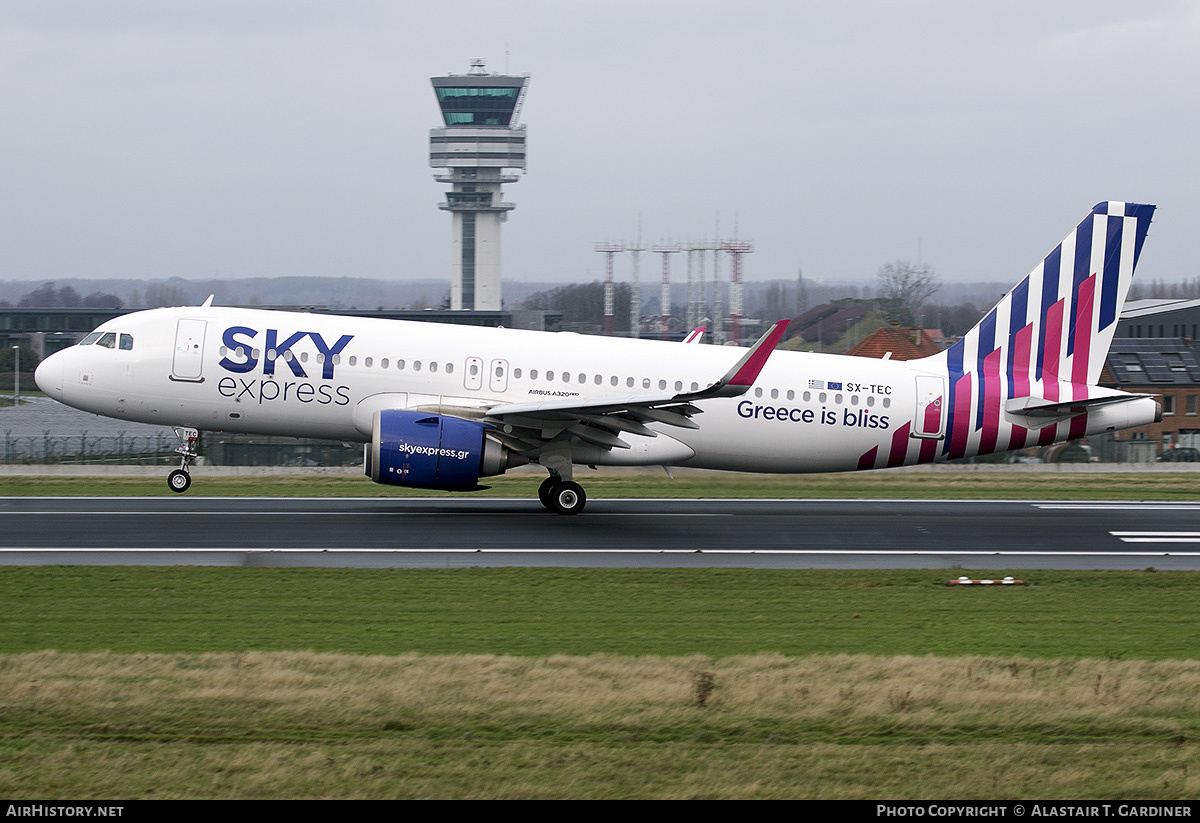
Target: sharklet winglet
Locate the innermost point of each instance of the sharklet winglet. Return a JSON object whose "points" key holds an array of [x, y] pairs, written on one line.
{"points": [[741, 377]]}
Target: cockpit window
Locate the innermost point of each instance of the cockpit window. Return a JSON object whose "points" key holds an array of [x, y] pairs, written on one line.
{"points": [[126, 342], [108, 340], [90, 339]]}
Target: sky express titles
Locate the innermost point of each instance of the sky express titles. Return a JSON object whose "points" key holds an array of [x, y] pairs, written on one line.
{"points": [[239, 341]]}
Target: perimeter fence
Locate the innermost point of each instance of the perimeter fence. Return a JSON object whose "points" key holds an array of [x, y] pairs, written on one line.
{"points": [[159, 450]]}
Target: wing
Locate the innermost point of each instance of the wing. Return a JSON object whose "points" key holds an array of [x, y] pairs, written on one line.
{"points": [[602, 421]]}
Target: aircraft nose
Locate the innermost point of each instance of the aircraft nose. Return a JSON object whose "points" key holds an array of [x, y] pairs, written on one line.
{"points": [[49, 375]]}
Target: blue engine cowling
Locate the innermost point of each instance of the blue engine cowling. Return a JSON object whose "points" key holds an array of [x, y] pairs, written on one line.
{"points": [[433, 451]]}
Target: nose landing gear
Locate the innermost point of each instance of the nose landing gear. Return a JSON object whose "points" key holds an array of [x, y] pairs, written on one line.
{"points": [[179, 480]]}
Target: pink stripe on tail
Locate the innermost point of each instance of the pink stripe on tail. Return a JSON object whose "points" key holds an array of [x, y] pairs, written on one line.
{"points": [[1054, 335], [991, 403], [1084, 303]]}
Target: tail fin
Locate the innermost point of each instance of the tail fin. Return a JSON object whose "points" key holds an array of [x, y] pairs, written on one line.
{"points": [[1049, 336]]}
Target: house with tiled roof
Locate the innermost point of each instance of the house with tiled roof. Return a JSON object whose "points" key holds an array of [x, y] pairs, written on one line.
{"points": [[898, 343]]}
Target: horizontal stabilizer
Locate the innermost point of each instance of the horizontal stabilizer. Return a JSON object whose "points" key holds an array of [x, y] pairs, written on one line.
{"points": [[1084, 397]]}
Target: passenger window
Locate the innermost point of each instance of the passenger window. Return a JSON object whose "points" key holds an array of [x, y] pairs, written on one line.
{"points": [[646, 383], [433, 366], [108, 341], [367, 362], [549, 375], [517, 374], [383, 364], [126, 342], [449, 368], [629, 382], [416, 365], [774, 394], [791, 395], [353, 360]]}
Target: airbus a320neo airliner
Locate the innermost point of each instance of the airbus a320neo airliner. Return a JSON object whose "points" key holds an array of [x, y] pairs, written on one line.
{"points": [[440, 406]]}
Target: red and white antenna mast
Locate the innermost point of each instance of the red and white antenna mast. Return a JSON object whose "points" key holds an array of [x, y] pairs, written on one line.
{"points": [[735, 249], [666, 250], [609, 250]]}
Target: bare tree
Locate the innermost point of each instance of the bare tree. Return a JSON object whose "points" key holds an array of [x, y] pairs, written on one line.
{"points": [[165, 294], [911, 286]]}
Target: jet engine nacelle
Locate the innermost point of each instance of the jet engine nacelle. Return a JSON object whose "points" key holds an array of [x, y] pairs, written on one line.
{"points": [[433, 451]]}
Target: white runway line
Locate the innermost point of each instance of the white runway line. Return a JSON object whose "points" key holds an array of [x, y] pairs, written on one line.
{"points": [[256, 513], [730, 552], [1157, 537], [1141, 507]]}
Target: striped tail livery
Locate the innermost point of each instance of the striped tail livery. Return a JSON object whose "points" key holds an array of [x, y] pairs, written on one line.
{"points": [[1026, 374]]}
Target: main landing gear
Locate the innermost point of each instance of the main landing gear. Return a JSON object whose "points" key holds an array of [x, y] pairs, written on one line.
{"points": [[562, 496], [179, 480]]}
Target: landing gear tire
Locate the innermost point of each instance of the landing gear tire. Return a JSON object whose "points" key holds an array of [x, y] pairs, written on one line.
{"points": [[179, 481], [568, 498], [546, 491]]}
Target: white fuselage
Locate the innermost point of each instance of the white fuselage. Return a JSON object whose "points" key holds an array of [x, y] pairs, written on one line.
{"points": [[324, 376]]}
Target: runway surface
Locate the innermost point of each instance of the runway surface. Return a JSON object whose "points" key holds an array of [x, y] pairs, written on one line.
{"points": [[461, 532]]}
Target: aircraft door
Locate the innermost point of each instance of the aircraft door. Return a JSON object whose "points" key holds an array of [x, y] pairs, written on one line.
{"points": [[499, 375], [473, 374], [930, 420], [188, 359]]}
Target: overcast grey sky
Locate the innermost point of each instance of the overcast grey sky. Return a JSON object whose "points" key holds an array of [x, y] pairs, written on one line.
{"points": [[151, 139]]}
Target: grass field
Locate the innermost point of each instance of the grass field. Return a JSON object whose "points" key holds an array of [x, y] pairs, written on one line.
{"points": [[290, 725], [122, 682], [244, 682]]}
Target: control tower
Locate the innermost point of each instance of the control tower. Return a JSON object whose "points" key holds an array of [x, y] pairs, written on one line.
{"points": [[479, 141]]}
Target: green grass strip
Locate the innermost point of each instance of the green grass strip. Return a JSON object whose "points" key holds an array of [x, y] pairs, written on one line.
{"points": [[538, 612]]}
